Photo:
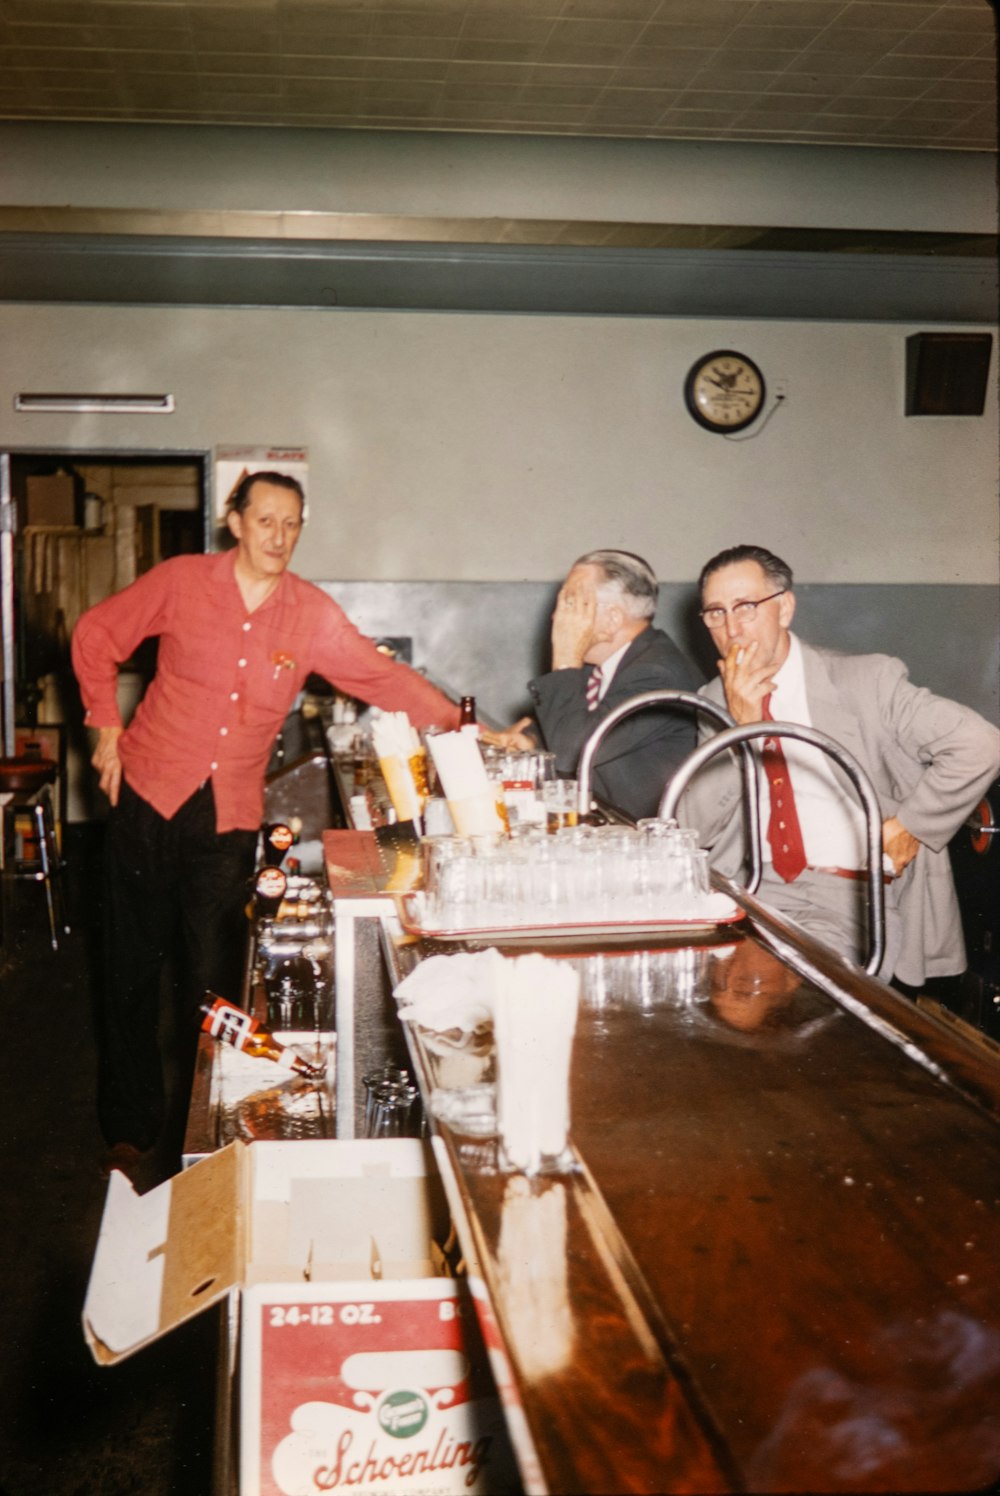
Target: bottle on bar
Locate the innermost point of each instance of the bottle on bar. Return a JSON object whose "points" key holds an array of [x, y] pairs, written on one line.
{"points": [[277, 838], [468, 722], [232, 1025], [269, 888]]}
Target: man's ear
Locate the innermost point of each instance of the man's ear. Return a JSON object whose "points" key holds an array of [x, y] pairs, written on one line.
{"points": [[234, 520], [786, 607]]}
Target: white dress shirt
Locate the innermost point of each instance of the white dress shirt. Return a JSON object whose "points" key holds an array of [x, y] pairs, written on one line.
{"points": [[609, 667], [831, 817]]}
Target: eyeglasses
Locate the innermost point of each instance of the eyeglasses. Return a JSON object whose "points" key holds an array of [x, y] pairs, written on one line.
{"points": [[716, 617]]}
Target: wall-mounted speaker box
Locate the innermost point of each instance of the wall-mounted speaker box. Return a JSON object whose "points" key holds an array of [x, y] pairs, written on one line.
{"points": [[946, 373]]}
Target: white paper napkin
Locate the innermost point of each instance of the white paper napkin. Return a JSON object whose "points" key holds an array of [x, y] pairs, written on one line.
{"points": [[395, 742], [452, 992], [471, 798], [534, 1023]]}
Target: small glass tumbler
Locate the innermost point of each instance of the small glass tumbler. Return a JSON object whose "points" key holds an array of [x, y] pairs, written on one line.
{"points": [[389, 1103], [387, 1074], [559, 797]]}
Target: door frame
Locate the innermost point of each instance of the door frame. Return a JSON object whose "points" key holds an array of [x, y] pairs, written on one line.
{"points": [[9, 526]]}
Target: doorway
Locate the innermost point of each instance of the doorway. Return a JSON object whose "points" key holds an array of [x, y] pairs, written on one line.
{"points": [[88, 524]]}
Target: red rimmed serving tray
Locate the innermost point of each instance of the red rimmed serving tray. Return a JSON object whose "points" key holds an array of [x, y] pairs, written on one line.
{"points": [[610, 930]]}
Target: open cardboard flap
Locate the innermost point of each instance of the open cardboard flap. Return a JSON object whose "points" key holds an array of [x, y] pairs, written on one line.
{"points": [[163, 1257], [287, 1212]]}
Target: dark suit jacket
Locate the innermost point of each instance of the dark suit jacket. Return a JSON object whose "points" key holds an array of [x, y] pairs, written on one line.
{"points": [[641, 754]]}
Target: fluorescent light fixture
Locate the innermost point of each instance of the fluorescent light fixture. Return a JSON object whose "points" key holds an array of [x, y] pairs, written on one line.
{"points": [[123, 404]]}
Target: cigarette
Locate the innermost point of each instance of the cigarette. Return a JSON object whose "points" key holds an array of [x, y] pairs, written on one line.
{"points": [[739, 657]]}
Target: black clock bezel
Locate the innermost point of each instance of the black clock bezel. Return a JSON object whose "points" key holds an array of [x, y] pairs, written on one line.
{"points": [[694, 409]]}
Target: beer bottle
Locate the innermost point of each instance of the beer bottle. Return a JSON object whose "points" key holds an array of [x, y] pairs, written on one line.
{"points": [[467, 720], [232, 1025], [269, 889], [277, 839]]}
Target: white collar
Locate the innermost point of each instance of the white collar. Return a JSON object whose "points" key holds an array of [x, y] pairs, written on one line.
{"points": [[610, 665]]}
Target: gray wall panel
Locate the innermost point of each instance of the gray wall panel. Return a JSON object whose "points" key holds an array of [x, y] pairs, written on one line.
{"points": [[491, 637], [496, 278]]}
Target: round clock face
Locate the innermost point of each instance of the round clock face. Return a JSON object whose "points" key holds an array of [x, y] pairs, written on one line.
{"points": [[724, 391]]}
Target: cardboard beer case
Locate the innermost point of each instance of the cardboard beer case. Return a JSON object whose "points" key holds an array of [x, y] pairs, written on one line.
{"points": [[360, 1366]]}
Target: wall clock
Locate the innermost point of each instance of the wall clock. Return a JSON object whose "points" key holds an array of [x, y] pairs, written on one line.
{"points": [[724, 391]]}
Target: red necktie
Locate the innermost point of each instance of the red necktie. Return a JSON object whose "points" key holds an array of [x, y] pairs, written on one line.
{"points": [[594, 689], [784, 832]]}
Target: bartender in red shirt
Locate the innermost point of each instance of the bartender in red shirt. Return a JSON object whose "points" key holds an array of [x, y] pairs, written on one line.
{"points": [[238, 635]]}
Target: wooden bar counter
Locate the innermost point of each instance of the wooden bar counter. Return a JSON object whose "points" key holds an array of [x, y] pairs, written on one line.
{"points": [[775, 1264]]}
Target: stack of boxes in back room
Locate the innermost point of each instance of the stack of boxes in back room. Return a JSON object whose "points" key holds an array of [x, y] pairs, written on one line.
{"points": [[52, 500]]}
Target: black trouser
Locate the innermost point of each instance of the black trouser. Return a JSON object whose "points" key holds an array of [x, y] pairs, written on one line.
{"points": [[175, 892]]}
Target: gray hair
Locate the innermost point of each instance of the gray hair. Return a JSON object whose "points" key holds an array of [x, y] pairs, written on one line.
{"points": [[631, 579]]}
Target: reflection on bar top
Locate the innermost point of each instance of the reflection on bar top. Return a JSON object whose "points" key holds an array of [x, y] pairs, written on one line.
{"points": [[360, 864]]}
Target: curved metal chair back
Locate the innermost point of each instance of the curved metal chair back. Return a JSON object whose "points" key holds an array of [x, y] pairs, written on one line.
{"points": [[698, 704], [734, 737]]}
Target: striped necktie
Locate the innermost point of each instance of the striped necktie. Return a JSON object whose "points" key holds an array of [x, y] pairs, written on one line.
{"points": [[594, 689], [788, 853]]}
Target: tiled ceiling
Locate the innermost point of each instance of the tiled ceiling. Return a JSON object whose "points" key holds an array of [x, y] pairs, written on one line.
{"points": [[846, 72]]}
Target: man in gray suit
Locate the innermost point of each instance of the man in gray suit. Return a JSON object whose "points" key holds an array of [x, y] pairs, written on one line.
{"points": [[605, 649], [929, 760]]}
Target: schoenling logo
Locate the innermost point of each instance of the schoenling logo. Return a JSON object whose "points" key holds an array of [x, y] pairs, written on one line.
{"points": [[403, 1414]]}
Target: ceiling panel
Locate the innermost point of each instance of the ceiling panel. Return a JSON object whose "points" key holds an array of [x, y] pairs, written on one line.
{"points": [[855, 72]]}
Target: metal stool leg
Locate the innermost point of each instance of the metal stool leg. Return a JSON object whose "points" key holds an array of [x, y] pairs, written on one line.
{"points": [[52, 865]]}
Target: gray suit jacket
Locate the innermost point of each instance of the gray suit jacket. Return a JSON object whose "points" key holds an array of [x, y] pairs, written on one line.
{"points": [[929, 760]]}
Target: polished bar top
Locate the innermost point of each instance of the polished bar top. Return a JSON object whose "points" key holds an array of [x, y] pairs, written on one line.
{"points": [[775, 1265]]}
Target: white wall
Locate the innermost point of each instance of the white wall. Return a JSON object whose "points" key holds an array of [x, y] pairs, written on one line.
{"points": [[498, 447]]}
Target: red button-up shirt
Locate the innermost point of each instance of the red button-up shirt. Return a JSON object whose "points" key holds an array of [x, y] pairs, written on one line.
{"points": [[226, 679]]}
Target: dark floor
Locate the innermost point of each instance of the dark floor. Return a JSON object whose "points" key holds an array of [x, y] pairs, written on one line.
{"points": [[68, 1427]]}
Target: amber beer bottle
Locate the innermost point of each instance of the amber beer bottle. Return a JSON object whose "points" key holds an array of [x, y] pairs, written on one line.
{"points": [[277, 839], [232, 1025], [269, 889], [467, 720]]}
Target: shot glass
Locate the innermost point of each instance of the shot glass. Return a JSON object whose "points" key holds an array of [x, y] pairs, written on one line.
{"points": [[559, 796], [389, 1103], [384, 1075]]}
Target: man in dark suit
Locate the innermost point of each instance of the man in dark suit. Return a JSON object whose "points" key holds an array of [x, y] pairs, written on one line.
{"points": [[605, 650]]}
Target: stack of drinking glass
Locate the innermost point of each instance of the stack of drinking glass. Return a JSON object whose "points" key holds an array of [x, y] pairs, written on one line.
{"points": [[576, 875]]}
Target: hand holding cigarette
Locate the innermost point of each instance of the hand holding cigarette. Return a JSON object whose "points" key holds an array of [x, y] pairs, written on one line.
{"points": [[745, 682]]}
